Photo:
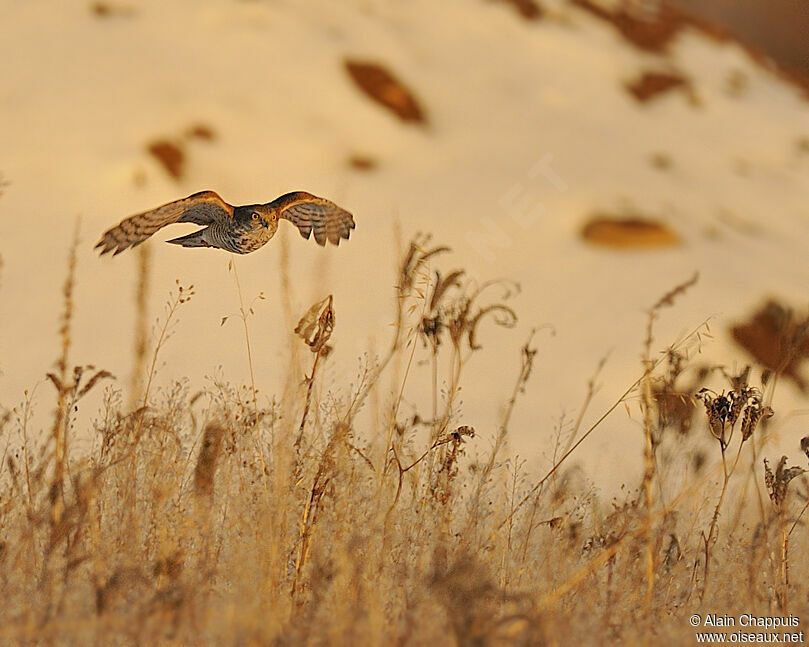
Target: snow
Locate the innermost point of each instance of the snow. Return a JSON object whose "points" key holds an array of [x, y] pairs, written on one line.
{"points": [[530, 131]]}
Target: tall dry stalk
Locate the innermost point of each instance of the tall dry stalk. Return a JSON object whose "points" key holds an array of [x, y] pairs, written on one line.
{"points": [[69, 391], [287, 298], [137, 379], [59, 428], [244, 313], [742, 403], [527, 357], [632, 388], [778, 486], [315, 328], [649, 460], [182, 296]]}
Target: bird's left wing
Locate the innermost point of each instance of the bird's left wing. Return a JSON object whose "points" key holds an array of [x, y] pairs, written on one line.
{"points": [[203, 208], [312, 214]]}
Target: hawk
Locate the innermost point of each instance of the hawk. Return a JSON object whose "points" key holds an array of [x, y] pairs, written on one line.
{"points": [[240, 230]]}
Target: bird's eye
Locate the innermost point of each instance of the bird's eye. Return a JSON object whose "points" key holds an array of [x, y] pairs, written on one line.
{"points": [[255, 216]]}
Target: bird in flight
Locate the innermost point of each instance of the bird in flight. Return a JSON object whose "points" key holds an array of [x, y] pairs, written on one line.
{"points": [[240, 230]]}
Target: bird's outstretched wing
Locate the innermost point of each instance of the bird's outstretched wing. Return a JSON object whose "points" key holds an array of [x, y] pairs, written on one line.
{"points": [[202, 208], [312, 214]]}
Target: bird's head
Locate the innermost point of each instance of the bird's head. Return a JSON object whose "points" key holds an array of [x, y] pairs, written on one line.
{"points": [[257, 216]]}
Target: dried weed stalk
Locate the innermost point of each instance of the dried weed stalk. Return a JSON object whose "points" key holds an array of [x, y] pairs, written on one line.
{"points": [[723, 411], [244, 313], [140, 347], [777, 483], [182, 296], [649, 472], [315, 328]]}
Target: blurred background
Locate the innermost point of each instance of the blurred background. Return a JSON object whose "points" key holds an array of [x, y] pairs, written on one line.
{"points": [[596, 153], [776, 29]]}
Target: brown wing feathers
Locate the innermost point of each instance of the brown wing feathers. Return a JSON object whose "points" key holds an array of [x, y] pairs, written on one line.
{"points": [[311, 214], [201, 208]]}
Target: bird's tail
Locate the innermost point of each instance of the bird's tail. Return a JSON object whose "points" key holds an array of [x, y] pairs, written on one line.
{"points": [[191, 240]]}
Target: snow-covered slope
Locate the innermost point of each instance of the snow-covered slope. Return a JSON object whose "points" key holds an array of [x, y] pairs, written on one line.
{"points": [[530, 131]]}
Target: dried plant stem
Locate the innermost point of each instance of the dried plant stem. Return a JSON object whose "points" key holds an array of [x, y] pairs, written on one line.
{"points": [[588, 398], [648, 457], [395, 409], [414, 262], [524, 374], [439, 423], [59, 430], [174, 304], [797, 519], [457, 362], [390, 449], [599, 560], [56, 493], [784, 597], [325, 471], [243, 316], [390, 446], [310, 381], [505, 560], [710, 539], [141, 323], [294, 366], [136, 429], [315, 328], [648, 477], [434, 371], [26, 417], [595, 425]]}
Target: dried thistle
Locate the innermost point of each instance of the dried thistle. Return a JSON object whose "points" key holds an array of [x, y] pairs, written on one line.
{"points": [[777, 483], [417, 255], [737, 401], [753, 414], [723, 410], [717, 408], [316, 326], [459, 316]]}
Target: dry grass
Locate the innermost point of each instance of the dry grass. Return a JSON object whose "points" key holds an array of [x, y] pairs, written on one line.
{"points": [[214, 519]]}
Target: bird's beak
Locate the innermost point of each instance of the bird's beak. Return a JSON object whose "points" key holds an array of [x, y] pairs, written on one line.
{"points": [[265, 222]]}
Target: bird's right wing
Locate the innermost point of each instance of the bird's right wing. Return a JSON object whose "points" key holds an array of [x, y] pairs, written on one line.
{"points": [[203, 208]]}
